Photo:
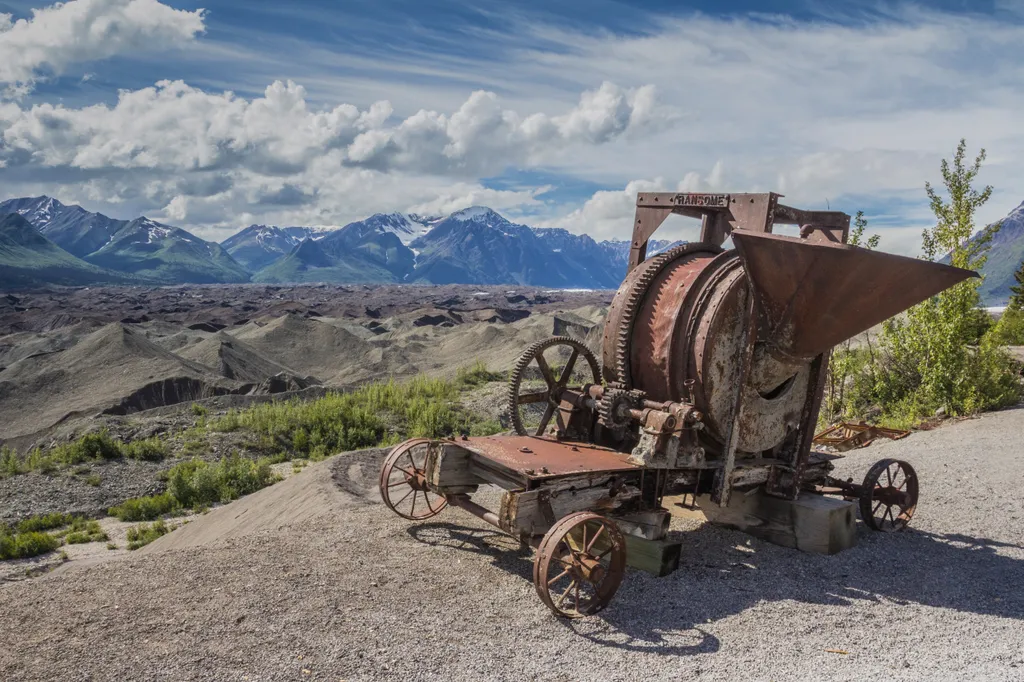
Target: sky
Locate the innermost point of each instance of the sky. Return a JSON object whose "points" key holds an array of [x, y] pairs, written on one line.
{"points": [[215, 115]]}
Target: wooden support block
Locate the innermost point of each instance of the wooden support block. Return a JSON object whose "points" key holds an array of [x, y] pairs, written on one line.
{"points": [[812, 523], [657, 557]]}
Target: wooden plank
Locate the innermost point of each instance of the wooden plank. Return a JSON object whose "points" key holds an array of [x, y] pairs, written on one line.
{"points": [[811, 523], [449, 469]]}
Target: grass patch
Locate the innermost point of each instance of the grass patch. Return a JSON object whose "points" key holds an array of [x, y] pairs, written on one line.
{"points": [[197, 484], [376, 414], [144, 533], [477, 374], [92, 447]]}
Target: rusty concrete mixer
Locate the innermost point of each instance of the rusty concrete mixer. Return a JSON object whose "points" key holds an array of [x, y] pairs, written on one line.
{"points": [[711, 381]]}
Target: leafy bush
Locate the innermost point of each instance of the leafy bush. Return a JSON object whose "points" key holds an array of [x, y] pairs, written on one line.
{"points": [[145, 508], [25, 545], [195, 484], [1010, 328], [145, 533], [84, 530], [198, 483], [149, 450], [199, 410], [45, 522], [941, 354]]}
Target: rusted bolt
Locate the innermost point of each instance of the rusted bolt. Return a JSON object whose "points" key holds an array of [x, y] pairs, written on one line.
{"points": [[525, 449], [575, 449], [544, 470]]}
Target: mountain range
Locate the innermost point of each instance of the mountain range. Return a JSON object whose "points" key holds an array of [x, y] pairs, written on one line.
{"points": [[43, 241], [472, 246]]}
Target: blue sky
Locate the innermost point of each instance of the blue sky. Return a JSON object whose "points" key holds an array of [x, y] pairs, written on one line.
{"points": [[554, 113]]}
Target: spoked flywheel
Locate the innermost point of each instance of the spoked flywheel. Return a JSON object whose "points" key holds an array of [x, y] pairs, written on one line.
{"points": [[403, 482], [540, 375], [888, 497], [579, 565]]}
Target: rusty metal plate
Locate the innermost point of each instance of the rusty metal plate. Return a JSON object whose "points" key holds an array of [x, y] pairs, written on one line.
{"points": [[813, 296], [542, 458]]}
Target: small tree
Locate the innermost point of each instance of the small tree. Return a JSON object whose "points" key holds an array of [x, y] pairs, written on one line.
{"points": [[933, 358], [1017, 290], [1010, 329]]}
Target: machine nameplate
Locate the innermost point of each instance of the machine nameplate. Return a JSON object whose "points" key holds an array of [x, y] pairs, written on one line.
{"points": [[702, 200]]}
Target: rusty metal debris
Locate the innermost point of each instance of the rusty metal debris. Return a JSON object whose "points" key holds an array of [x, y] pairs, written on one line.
{"points": [[849, 435], [713, 368]]}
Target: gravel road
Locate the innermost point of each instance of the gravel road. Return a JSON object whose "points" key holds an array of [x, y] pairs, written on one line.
{"points": [[307, 580]]}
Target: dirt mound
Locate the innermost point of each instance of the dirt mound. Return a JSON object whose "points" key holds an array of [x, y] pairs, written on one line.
{"points": [[100, 371], [234, 359], [304, 496], [309, 346]]}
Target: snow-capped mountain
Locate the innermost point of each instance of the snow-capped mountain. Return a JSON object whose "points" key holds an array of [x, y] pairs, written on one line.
{"points": [[257, 246], [476, 245], [147, 250]]}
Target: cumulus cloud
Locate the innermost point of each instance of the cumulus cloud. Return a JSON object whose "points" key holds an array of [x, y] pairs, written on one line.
{"points": [[176, 127], [187, 150], [70, 33]]}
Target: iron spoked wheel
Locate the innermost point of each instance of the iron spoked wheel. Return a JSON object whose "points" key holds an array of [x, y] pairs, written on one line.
{"points": [[579, 565], [889, 495], [403, 483], [540, 375]]}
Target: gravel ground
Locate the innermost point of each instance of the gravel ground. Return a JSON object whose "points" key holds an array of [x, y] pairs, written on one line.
{"points": [[309, 580]]}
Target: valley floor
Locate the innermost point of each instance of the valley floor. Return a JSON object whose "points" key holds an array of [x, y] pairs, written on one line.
{"points": [[313, 578]]}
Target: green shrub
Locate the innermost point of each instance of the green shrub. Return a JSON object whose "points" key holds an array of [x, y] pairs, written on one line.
{"points": [[1010, 328], [942, 354], [145, 508], [476, 375], [198, 483], [25, 545], [85, 530], [91, 446], [199, 410], [93, 479], [149, 450], [145, 533], [45, 522]]}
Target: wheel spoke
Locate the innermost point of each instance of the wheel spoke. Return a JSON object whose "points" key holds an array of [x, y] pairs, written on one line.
{"points": [[415, 494], [398, 483], [558, 577], [888, 475], [407, 473], [565, 594], [530, 398], [567, 370], [593, 539], [411, 491], [545, 370], [577, 597], [874, 511], [545, 419]]}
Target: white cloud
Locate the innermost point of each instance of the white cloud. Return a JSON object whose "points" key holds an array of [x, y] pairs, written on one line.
{"points": [[71, 33]]}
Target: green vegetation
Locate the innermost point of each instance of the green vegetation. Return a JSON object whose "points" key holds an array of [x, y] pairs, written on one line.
{"points": [[199, 410], [92, 447], [25, 545], [196, 484], [375, 414], [29, 537], [1010, 329], [144, 533], [476, 375], [82, 531], [943, 355]]}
